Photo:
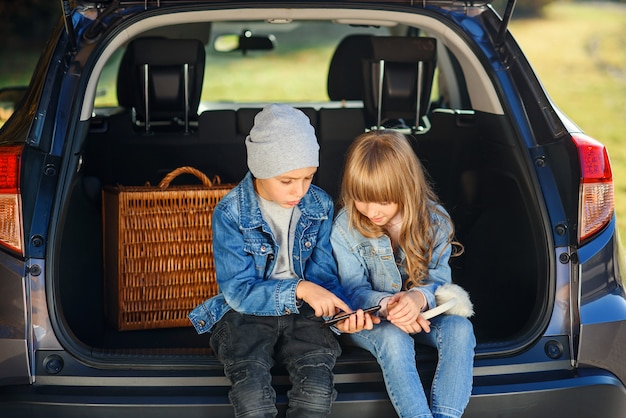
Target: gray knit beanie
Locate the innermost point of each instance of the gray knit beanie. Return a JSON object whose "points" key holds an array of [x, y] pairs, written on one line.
{"points": [[282, 139]]}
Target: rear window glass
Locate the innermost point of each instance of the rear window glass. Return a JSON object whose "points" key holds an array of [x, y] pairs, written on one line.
{"points": [[294, 71]]}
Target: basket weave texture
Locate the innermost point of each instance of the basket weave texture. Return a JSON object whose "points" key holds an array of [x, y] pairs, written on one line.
{"points": [[159, 251]]}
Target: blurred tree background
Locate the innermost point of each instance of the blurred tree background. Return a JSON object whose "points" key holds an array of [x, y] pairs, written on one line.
{"points": [[523, 8], [25, 26], [534, 8], [26, 23]]}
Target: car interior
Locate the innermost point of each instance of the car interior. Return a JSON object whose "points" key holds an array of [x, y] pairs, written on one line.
{"points": [[373, 81]]}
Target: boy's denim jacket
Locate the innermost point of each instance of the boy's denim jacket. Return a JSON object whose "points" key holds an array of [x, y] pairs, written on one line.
{"points": [[367, 267], [244, 248]]}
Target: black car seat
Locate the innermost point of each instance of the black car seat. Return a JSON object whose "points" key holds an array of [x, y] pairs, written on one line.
{"points": [[161, 80], [398, 81], [159, 87], [338, 125]]}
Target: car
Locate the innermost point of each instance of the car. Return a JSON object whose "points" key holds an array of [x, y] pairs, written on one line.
{"points": [[127, 92]]}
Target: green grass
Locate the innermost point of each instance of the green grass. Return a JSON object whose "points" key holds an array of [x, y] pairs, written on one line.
{"points": [[298, 75], [579, 52], [16, 67]]}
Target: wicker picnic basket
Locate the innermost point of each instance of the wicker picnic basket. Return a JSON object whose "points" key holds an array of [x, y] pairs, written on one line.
{"points": [[158, 251]]}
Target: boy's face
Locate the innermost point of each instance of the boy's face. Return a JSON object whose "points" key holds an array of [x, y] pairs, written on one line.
{"points": [[288, 188]]}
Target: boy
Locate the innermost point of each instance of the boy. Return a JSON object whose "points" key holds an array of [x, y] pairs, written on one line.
{"points": [[276, 274]]}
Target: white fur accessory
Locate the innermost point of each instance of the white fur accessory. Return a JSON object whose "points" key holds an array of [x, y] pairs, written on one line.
{"points": [[451, 299]]}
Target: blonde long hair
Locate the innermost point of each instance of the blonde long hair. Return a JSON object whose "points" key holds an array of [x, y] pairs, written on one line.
{"points": [[381, 166]]}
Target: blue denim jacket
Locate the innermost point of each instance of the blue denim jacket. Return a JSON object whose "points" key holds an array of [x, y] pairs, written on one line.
{"points": [[245, 248], [368, 268]]}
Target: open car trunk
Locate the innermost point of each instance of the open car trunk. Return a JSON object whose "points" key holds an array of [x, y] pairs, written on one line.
{"points": [[480, 180], [472, 157]]}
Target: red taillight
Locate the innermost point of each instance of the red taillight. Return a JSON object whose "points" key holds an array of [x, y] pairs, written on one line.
{"points": [[10, 198], [596, 186]]}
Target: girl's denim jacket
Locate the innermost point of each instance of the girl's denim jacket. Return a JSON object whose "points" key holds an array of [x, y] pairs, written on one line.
{"points": [[244, 248], [368, 268]]}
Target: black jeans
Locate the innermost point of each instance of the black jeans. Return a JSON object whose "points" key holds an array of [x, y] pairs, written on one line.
{"points": [[249, 346]]}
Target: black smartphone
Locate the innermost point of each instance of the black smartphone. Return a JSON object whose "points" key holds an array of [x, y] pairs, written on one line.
{"points": [[341, 317]]}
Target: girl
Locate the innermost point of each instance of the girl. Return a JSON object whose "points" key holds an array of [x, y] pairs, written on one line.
{"points": [[392, 241]]}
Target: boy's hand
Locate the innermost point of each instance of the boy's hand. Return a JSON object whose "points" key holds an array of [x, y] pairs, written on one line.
{"points": [[324, 302], [358, 321]]}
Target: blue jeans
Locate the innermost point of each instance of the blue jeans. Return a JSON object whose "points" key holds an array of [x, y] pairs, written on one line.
{"points": [[453, 337], [249, 346]]}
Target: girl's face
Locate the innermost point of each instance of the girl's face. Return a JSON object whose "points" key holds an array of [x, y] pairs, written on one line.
{"points": [[378, 213], [286, 189]]}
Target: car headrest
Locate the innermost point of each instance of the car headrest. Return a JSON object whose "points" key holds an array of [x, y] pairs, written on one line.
{"points": [[172, 89], [398, 79], [345, 73]]}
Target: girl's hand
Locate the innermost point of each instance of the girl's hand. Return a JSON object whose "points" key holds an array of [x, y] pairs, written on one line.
{"points": [[357, 322], [404, 310], [421, 324]]}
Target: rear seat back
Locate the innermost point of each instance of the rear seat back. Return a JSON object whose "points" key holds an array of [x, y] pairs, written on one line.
{"points": [[338, 126], [448, 149], [336, 130], [393, 77], [225, 154], [159, 87], [245, 118], [123, 153]]}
